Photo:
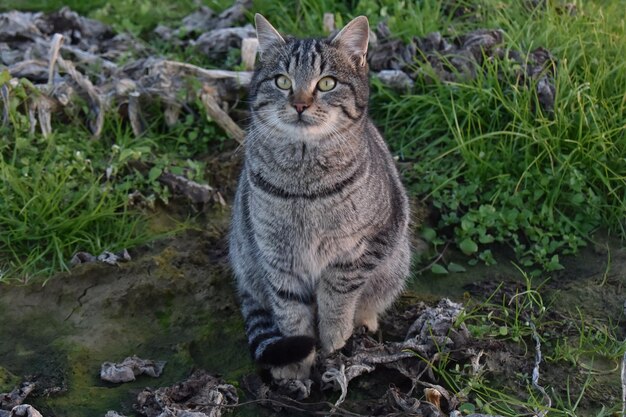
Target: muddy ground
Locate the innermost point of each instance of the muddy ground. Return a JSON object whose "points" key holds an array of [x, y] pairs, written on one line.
{"points": [[174, 301]]}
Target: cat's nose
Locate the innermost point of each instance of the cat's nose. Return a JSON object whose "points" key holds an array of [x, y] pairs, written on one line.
{"points": [[300, 107]]}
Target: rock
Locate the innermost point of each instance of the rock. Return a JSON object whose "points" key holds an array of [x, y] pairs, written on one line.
{"points": [[24, 410], [17, 396]]}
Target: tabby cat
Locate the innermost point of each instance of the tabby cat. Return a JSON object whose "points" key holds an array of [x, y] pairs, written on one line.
{"points": [[319, 236]]}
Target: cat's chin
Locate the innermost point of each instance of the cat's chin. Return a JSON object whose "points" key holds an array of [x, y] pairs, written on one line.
{"points": [[301, 122], [299, 128]]}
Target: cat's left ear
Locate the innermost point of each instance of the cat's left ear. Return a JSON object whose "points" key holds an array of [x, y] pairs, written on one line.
{"points": [[354, 37], [266, 34]]}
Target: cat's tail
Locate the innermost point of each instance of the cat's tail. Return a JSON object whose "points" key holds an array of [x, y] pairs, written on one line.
{"points": [[267, 344]]}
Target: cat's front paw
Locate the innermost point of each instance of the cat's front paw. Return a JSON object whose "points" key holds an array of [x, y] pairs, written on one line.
{"points": [[369, 319], [332, 341]]}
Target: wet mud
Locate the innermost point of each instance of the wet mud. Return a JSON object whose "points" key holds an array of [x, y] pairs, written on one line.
{"points": [[175, 302]]}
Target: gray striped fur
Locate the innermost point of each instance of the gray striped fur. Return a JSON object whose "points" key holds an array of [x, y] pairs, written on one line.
{"points": [[319, 237]]}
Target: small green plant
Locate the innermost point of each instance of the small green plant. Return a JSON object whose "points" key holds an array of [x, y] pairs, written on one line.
{"points": [[506, 317], [52, 204], [514, 319], [587, 343], [495, 167], [68, 192]]}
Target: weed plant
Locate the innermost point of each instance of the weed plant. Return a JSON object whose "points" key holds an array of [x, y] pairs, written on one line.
{"points": [[69, 192], [570, 347]]}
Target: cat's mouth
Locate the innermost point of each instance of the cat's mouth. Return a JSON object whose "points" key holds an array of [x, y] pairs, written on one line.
{"points": [[301, 121]]}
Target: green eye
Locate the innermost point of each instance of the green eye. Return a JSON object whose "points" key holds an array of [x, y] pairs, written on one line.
{"points": [[283, 82], [326, 84]]}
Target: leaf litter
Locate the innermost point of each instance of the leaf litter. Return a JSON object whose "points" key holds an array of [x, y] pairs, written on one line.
{"points": [[431, 334], [66, 57], [459, 59]]}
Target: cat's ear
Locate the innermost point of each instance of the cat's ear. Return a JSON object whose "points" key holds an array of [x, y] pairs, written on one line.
{"points": [[266, 34], [354, 37]]}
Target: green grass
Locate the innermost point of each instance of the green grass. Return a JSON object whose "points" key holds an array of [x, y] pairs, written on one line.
{"points": [[499, 171], [69, 192], [495, 167], [54, 202]]}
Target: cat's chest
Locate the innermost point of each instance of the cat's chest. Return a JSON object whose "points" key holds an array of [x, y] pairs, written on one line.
{"points": [[320, 234], [314, 219]]}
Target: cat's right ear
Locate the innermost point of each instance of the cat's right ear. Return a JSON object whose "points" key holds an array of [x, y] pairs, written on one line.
{"points": [[353, 38], [266, 34]]}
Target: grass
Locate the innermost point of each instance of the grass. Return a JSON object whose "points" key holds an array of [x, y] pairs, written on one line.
{"points": [[54, 205], [571, 347], [499, 170], [68, 192]]}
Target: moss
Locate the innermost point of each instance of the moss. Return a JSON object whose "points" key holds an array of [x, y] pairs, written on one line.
{"points": [[86, 395], [7, 380], [223, 348]]}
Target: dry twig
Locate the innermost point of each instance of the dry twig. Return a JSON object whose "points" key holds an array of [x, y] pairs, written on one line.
{"points": [[219, 116]]}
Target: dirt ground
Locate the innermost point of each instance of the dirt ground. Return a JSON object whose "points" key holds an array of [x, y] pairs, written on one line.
{"points": [[175, 301]]}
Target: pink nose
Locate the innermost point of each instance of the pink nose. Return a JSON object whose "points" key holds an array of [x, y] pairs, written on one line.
{"points": [[300, 107]]}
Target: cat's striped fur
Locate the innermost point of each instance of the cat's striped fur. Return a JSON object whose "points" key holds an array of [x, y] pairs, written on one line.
{"points": [[319, 239]]}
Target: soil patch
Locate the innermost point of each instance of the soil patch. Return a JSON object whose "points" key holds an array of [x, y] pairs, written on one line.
{"points": [[175, 302]]}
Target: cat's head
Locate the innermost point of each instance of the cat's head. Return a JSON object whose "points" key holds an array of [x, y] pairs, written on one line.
{"points": [[312, 87]]}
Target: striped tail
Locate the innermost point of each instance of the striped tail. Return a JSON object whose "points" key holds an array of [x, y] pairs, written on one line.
{"points": [[267, 344]]}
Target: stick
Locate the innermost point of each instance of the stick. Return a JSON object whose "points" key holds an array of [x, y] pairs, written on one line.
{"points": [[249, 47], [329, 22], [195, 192], [83, 56], [55, 46], [89, 58], [4, 95], [97, 102], [219, 116], [243, 78], [45, 107], [134, 114]]}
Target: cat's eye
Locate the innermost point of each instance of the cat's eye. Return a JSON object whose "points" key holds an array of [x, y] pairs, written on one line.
{"points": [[326, 84], [283, 82]]}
